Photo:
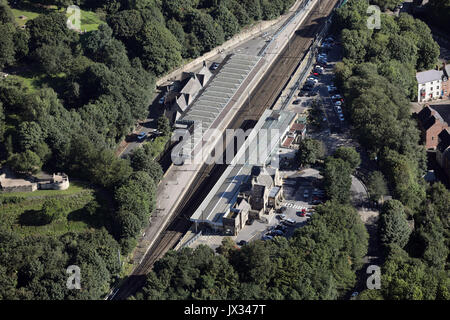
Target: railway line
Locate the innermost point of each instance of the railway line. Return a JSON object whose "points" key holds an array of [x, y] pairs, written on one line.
{"points": [[263, 97]]}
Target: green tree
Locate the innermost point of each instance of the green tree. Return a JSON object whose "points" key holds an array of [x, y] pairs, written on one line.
{"points": [[26, 161], [350, 155], [376, 185], [159, 56], [337, 179], [141, 160], [6, 15], [310, 150], [209, 32], [7, 47], [394, 228], [164, 125]]}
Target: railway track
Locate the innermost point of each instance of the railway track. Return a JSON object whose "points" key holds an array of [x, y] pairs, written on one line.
{"points": [[263, 97]]}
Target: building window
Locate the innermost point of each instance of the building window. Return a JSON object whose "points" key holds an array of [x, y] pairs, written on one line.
{"points": [[437, 87], [431, 89], [431, 82]]}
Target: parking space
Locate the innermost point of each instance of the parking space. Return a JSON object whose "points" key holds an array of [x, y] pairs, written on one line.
{"points": [[301, 194]]}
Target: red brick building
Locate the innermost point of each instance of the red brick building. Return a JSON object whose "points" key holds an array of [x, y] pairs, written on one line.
{"points": [[432, 120]]}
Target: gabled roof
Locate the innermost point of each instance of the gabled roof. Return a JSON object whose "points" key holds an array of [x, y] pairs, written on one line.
{"points": [[192, 86], [444, 140], [181, 102], [204, 75], [428, 76], [428, 116], [443, 110]]}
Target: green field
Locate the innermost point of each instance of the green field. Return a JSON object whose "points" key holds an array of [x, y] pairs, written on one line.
{"points": [[28, 14], [74, 199], [89, 20]]}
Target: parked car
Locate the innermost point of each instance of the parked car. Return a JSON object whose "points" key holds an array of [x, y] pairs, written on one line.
{"points": [[316, 201], [301, 93], [331, 89], [289, 221], [277, 233], [214, 66], [249, 222], [338, 103], [161, 100], [242, 243], [341, 117], [306, 194], [141, 136], [313, 79], [336, 97], [281, 216], [281, 227], [297, 101], [338, 109], [301, 213], [312, 93], [267, 237]]}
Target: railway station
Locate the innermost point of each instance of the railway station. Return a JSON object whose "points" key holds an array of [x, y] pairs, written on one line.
{"points": [[219, 92], [250, 187]]}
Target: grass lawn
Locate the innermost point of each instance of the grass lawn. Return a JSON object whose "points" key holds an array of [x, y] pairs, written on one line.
{"points": [[74, 199], [75, 187], [89, 19], [29, 14]]}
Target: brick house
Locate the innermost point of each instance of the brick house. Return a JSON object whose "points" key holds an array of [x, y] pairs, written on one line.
{"points": [[432, 120], [443, 151]]}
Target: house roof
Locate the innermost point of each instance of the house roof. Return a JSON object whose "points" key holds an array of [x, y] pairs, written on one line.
{"points": [[444, 140], [182, 103], [287, 143], [443, 110], [192, 86], [297, 127], [428, 76], [429, 115]]}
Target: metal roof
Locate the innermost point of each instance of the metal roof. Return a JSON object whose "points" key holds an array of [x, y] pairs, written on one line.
{"points": [[219, 92], [224, 194]]}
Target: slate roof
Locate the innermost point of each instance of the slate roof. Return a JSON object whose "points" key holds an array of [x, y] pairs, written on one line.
{"points": [[428, 118], [444, 140]]}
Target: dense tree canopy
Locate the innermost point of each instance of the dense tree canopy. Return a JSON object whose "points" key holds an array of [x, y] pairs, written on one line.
{"points": [[318, 262]]}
